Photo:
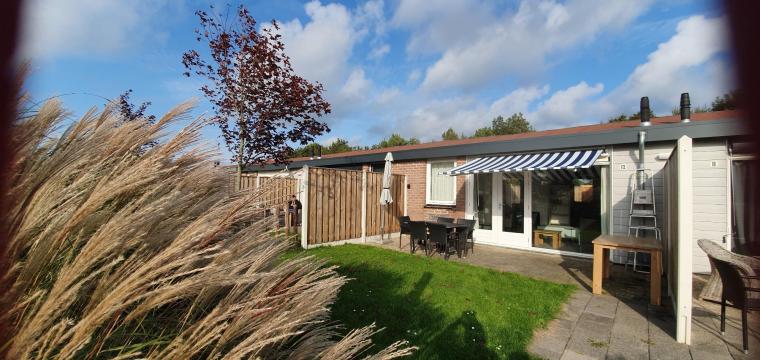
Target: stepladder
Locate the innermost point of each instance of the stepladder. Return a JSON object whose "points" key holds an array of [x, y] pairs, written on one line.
{"points": [[642, 215]]}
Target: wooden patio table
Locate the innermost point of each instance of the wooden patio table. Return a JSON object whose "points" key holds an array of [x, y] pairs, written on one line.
{"points": [[606, 243]]}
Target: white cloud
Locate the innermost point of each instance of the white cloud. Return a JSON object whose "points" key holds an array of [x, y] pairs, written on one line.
{"points": [[87, 27], [566, 107], [518, 100], [414, 75], [691, 60], [378, 52], [435, 28], [320, 49], [686, 62], [356, 87], [388, 95], [478, 44]]}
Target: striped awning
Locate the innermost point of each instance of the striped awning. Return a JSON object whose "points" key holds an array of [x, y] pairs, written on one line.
{"points": [[578, 159]]}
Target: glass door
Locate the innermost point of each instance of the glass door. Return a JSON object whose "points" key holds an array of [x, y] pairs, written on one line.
{"points": [[484, 201], [500, 204], [512, 210]]}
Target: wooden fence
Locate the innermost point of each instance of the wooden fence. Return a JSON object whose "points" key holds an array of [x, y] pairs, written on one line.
{"points": [[344, 205], [276, 190]]}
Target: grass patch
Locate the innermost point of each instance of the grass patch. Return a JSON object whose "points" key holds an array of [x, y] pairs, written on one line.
{"points": [[449, 310]]}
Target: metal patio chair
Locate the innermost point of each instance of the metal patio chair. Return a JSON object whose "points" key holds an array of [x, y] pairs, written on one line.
{"points": [[405, 227], [741, 284], [442, 219], [439, 238], [418, 236], [467, 236]]}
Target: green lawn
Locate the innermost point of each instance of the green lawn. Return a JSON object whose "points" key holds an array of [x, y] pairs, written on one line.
{"points": [[447, 309]]}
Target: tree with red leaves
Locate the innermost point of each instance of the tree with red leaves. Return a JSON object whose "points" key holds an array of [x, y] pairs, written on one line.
{"points": [[260, 104]]}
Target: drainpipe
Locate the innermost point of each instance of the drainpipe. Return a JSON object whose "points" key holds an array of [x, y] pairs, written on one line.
{"points": [[644, 115], [685, 108], [642, 141]]}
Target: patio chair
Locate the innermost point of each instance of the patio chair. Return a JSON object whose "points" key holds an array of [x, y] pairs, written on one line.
{"points": [[442, 219], [418, 236], [404, 223], [741, 284], [467, 236], [438, 237]]}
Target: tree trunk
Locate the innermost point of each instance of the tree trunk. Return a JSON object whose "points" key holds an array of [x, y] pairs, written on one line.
{"points": [[241, 149]]}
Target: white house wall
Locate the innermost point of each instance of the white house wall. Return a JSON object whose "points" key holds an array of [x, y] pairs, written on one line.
{"points": [[710, 184], [623, 181], [710, 200]]}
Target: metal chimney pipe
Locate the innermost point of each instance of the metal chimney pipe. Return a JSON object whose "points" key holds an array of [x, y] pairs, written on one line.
{"points": [[685, 108], [644, 111], [642, 165]]}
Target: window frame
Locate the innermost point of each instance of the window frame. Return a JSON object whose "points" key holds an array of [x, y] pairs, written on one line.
{"points": [[428, 178]]}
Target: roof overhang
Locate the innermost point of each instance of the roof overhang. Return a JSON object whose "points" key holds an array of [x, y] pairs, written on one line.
{"points": [[726, 127]]}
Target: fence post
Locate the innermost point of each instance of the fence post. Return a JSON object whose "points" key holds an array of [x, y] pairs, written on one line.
{"points": [[364, 206], [305, 188]]}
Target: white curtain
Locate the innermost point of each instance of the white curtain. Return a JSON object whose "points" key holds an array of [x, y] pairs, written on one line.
{"points": [[441, 185]]}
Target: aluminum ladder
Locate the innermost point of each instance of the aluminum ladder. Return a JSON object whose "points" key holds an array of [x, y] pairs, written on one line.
{"points": [[642, 215]]}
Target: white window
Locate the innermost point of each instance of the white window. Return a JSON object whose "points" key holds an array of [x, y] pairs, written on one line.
{"points": [[441, 188]]}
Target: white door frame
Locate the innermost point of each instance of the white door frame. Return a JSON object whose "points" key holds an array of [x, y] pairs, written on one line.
{"points": [[496, 236]]}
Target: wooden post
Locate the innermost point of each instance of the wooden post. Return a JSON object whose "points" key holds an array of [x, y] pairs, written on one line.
{"points": [[364, 205], [287, 220], [305, 188], [598, 266]]}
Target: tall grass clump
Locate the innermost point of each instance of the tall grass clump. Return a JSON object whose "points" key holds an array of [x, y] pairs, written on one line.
{"points": [[122, 250]]}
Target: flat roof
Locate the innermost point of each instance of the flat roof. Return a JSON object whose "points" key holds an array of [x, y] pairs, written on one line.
{"points": [[703, 125]]}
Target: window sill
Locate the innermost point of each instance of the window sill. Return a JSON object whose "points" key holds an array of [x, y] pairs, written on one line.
{"points": [[440, 206]]}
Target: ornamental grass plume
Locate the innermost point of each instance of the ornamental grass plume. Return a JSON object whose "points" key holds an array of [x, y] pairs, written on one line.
{"points": [[125, 251]]}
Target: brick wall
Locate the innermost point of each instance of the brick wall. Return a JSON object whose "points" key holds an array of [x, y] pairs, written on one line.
{"points": [[416, 171]]}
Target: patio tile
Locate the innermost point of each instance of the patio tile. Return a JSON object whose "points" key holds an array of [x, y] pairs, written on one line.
{"points": [[662, 329], [572, 355], [630, 333], [602, 305], [591, 336], [549, 346]]}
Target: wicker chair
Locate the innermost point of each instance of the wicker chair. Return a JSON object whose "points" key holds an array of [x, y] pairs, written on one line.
{"points": [[442, 219], [740, 282]]}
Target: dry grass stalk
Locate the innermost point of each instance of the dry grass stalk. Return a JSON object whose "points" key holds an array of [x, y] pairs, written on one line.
{"points": [[122, 252]]}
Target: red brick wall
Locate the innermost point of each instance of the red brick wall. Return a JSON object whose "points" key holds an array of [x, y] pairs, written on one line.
{"points": [[416, 171]]}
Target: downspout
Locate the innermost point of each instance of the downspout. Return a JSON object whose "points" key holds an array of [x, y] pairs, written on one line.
{"points": [[642, 142]]}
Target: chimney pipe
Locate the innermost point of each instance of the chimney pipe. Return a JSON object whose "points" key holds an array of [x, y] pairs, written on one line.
{"points": [[685, 108], [644, 111]]}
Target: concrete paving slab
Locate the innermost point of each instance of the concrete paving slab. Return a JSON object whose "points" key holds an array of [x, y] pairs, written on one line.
{"points": [[591, 336], [602, 305]]}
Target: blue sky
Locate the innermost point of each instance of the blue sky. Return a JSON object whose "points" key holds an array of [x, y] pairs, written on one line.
{"points": [[409, 66]]}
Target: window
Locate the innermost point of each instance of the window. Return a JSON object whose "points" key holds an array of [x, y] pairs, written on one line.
{"points": [[441, 188]]}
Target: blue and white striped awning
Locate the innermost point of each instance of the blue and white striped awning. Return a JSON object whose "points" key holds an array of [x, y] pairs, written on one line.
{"points": [[578, 159]]}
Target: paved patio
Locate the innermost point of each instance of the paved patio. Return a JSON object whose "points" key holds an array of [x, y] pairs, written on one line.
{"points": [[619, 324]]}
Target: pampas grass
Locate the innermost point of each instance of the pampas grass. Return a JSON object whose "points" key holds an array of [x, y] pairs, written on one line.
{"points": [[125, 251]]}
